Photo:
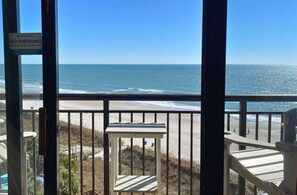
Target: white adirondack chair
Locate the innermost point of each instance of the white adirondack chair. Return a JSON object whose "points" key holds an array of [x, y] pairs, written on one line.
{"points": [[271, 167], [262, 166], [3, 155]]}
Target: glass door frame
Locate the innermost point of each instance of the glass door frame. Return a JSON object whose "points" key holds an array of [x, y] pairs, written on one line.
{"points": [[13, 91], [50, 68], [16, 162]]}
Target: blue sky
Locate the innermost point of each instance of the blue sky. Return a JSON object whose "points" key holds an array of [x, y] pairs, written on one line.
{"points": [[164, 31]]}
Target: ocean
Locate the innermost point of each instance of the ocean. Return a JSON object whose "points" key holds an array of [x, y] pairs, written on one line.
{"points": [[167, 79]]}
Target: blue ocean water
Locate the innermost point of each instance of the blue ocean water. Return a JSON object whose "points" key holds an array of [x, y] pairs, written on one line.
{"points": [[170, 79]]}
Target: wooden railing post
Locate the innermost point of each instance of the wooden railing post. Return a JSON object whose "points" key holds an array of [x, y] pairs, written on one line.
{"points": [[106, 146], [242, 132]]}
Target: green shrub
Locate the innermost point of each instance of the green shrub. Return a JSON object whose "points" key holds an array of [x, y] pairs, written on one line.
{"points": [[64, 176]]}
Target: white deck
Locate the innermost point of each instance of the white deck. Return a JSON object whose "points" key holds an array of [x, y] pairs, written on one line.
{"points": [[134, 183]]}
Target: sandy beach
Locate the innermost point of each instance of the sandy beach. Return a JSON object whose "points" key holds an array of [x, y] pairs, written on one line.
{"points": [[185, 124], [138, 117]]}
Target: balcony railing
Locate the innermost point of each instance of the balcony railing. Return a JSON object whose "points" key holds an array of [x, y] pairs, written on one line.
{"points": [[85, 148]]}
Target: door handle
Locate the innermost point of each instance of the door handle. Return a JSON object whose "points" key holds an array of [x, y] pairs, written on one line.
{"points": [[42, 131]]}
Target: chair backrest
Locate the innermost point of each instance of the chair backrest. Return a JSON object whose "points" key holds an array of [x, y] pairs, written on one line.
{"points": [[290, 123], [289, 150]]}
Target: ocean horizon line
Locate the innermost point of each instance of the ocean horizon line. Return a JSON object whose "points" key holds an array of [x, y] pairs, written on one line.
{"points": [[162, 64]]}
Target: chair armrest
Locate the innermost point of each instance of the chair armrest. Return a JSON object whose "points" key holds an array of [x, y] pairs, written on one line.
{"points": [[236, 139]]}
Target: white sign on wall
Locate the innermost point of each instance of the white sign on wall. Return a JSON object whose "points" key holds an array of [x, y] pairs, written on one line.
{"points": [[25, 43]]}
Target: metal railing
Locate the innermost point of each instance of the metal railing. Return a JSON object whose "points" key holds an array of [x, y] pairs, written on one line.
{"points": [[242, 129], [136, 115], [243, 121]]}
